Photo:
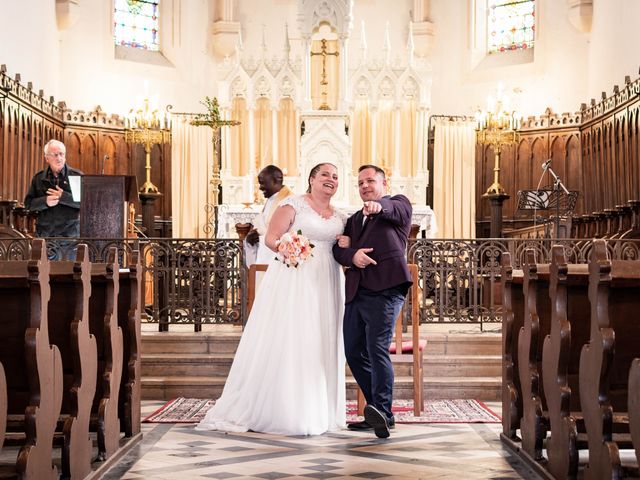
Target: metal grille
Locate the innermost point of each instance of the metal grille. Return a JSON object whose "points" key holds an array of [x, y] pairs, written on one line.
{"points": [[198, 282]]}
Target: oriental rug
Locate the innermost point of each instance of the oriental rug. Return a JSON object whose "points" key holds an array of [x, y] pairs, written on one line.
{"points": [[192, 410]]}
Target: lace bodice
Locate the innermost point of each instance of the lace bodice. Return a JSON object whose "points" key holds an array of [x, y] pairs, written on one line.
{"points": [[315, 227]]}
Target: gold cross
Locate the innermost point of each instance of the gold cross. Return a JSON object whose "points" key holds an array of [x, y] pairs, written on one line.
{"points": [[214, 120], [323, 81]]}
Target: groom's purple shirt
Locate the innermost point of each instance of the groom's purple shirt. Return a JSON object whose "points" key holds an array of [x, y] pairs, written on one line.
{"points": [[387, 233]]}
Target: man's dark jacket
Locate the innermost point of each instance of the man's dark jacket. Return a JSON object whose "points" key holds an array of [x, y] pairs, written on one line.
{"points": [[62, 220], [385, 232]]}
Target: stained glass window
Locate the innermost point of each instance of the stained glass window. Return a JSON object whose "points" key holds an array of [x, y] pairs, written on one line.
{"points": [[510, 25], [135, 24]]}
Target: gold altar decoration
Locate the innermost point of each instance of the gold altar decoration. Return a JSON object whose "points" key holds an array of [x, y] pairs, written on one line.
{"points": [[323, 77], [214, 120], [147, 127], [497, 126]]}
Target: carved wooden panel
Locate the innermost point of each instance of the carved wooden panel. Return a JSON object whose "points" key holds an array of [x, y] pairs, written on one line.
{"points": [[569, 331], [3, 405], [606, 360], [104, 325], [69, 330], [512, 322], [634, 405], [535, 328], [129, 311], [33, 366]]}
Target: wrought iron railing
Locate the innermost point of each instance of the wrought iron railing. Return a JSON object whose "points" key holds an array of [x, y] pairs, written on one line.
{"points": [[198, 282]]}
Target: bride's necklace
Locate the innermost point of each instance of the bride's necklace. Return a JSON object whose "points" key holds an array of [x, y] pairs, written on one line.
{"points": [[324, 212]]}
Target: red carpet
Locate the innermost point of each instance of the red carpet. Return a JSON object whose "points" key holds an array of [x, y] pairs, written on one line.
{"points": [[192, 410]]}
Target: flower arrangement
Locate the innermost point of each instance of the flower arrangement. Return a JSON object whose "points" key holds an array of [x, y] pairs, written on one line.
{"points": [[293, 249]]}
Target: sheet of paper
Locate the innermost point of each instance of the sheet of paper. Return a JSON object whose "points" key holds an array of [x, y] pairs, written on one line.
{"points": [[74, 183]]}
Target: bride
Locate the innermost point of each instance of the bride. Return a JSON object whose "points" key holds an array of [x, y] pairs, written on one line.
{"points": [[287, 376]]}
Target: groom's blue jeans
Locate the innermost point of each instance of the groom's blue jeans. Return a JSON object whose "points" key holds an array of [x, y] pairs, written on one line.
{"points": [[369, 321]]}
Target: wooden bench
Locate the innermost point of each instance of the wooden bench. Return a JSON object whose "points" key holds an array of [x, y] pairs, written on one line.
{"points": [[32, 366], [537, 319], [512, 322], [605, 362], [129, 312], [103, 322], [70, 284], [634, 406], [3, 405], [569, 331]]}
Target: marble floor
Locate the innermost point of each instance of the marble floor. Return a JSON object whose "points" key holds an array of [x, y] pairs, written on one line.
{"points": [[433, 451]]}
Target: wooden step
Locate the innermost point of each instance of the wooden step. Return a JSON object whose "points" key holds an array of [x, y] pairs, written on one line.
{"points": [[463, 365], [190, 342], [463, 344], [456, 365], [480, 388], [191, 364], [169, 387], [207, 364]]}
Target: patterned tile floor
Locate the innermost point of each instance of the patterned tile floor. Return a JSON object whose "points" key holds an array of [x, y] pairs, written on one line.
{"points": [[435, 451]]}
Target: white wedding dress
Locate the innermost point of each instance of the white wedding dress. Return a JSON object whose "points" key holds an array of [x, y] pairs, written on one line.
{"points": [[287, 376]]}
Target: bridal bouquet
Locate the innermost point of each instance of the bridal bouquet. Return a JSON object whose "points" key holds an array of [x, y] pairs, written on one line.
{"points": [[293, 249]]}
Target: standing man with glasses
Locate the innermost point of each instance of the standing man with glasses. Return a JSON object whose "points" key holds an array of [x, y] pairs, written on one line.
{"points": [[50, 195]]}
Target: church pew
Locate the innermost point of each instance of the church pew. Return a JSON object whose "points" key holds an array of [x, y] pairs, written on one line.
{"points": [[569, 331], [3, 405], [33, 367], [103, 322], [129, 312], [534, 422], [512, 320], [634, 406], [614, 294], [69, 330]]}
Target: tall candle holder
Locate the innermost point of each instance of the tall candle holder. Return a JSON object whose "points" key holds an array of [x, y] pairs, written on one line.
{"points": [[497, 127], [147, 127]]}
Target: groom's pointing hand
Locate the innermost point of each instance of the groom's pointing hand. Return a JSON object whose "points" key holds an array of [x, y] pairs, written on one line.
{"points": [[361, 259], [371, 208]]}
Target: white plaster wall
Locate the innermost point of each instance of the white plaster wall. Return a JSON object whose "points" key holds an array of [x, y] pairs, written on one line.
{"points": [[555, 78], [29, 44], [92, 75], [613, 51], [78, 65]]}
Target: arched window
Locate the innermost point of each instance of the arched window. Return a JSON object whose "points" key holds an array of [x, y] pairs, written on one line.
{"points": [[510, 25], [135, 24]]}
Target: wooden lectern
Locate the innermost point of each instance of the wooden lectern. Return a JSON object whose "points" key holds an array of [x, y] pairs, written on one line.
{"points": [[104, 205]]}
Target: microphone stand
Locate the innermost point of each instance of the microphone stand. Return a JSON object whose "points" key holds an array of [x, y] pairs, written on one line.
{"points": [[104, 160], [557, 184]]}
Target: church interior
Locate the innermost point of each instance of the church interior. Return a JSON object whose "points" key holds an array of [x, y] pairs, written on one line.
{"points": [[512, 126]]}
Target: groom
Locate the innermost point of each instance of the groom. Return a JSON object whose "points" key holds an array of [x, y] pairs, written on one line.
{"points": [[377, 281]]}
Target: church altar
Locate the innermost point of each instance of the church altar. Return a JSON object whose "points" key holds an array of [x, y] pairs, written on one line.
{"points": [[230, 215], [375, 109]]}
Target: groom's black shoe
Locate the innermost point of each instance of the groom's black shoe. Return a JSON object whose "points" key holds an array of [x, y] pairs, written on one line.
{"points": [[377, 420], [362, 426], [359, 426]]}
